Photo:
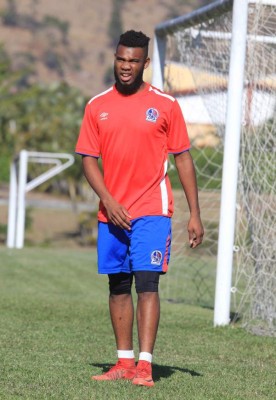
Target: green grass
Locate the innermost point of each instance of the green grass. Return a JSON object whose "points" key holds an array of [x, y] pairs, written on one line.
{"points": [[55, 332], [191, 280]]}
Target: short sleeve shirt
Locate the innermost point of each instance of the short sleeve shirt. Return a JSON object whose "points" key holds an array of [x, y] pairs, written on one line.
{"points": [[134, 135]]}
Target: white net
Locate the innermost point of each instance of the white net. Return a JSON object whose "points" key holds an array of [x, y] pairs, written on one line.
{"points": [[196, 72], [255, 271]]}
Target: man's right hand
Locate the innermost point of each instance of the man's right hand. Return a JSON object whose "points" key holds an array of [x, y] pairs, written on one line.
{"points": [[117, 214]]}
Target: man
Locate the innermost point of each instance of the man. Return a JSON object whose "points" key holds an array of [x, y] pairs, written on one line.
{"points": [[133, 126]]}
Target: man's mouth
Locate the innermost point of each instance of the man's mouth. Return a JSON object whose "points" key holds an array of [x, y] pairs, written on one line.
{"points": [[125, 77]]}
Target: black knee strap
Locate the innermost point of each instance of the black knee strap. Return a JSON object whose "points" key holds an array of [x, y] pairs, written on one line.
{"points": [[120, 283], [146, 281]]}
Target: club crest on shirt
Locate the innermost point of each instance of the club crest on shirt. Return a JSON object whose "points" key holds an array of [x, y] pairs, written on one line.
{"points": [[156, 257], [152, 114]]}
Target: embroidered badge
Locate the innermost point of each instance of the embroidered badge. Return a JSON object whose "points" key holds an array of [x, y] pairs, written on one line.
{"points": [[103, 116], [156, 257], [152, 114]]}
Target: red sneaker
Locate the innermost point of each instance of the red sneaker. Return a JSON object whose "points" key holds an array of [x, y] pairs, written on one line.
{"points": [[124, 369], [143, 375]]}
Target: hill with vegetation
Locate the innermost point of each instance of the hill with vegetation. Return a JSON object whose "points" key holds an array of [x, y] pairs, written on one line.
{"points": [[53, 57], [74, 40]]}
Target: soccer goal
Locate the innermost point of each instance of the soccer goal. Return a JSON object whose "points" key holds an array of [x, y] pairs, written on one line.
{"points": [[220, 63], [19, 186]]}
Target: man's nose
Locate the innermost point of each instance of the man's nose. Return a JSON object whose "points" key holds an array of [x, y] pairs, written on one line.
{"points": [[125, 65]]}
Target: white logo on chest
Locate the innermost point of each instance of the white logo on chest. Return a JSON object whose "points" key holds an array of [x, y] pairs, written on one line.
{"points": [[103, 116]]}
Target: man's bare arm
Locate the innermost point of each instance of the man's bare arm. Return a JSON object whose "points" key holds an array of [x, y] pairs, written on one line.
{"points": [[186, 172], [117, 213]]}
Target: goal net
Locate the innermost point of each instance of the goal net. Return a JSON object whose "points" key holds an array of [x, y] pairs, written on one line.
{"points": [[196, 71]]}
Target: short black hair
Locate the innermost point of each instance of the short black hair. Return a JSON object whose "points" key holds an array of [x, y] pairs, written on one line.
{"points": [[134, 39]]}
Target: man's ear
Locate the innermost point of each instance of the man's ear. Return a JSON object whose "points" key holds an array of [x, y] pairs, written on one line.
{"points": [[147, 63]]}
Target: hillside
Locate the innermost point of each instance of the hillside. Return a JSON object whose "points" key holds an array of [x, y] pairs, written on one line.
{"points": [[69, 40]]}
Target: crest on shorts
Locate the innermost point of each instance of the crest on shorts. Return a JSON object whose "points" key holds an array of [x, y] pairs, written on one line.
{"points": [[156, 257], [152, 114]]}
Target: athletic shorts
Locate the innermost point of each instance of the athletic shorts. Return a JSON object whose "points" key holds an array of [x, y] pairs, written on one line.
{"points": [[146, 247]]}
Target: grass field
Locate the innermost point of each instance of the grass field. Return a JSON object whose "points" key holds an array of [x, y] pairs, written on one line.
{"points": [[55, 333]]}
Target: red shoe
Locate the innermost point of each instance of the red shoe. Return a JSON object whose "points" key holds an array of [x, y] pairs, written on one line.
{"points": [[124, 369], [143, 375]]}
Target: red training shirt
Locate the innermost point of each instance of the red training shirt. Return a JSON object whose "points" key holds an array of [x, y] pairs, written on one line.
{"points": [[133, 135]]}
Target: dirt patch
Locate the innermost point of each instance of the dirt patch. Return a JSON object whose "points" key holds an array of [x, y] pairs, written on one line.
{"points": [[50, 220]]}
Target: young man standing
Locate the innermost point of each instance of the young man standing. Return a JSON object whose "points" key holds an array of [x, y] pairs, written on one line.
{"points": [[133, 127]]}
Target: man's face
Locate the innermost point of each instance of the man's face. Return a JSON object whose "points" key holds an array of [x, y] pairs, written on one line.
{"points": [[129, 65]]}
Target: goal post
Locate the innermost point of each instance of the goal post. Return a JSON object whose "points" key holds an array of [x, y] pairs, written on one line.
{"points": [[230, 164], [19, 187], [219, 62]]}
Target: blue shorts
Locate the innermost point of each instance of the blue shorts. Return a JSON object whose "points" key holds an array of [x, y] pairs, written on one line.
{"points": [[145, 248]]}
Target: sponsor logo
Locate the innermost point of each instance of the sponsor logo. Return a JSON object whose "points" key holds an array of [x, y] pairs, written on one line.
{"points": [[152, 114], [156, 257], [103, 116]]}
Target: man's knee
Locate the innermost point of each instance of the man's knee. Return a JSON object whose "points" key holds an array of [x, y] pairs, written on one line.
{"points": [[146, 281], [120, 283]]}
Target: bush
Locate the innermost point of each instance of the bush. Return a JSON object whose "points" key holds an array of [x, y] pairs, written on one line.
{"points": [[5, 161]]}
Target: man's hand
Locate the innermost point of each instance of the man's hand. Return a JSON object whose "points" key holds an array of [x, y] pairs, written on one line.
{"points": [[117, 214], [195, 230]]}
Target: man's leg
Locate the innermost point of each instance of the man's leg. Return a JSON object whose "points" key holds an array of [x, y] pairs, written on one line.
{"points": [[121, 309], [122, 315], [148, 315]]}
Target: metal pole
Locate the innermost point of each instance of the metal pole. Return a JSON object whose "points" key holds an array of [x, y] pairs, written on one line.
{"points": [[158, 62], [20, 226], [12, 206], [230, 164]]}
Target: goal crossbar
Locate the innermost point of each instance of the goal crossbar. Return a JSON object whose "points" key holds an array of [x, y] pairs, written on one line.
{"points": [[207, 12], [228, 36]]}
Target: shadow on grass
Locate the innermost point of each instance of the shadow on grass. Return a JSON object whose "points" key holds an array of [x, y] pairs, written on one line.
{"points": [[158, 371]]}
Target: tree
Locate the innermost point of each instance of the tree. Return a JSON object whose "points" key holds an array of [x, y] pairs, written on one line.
{"points": [[38, 117]]}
